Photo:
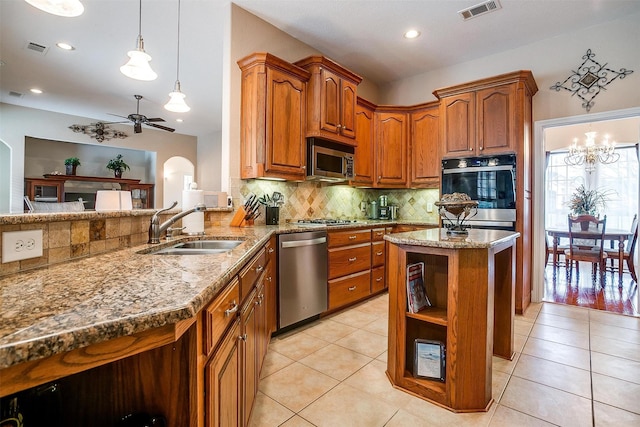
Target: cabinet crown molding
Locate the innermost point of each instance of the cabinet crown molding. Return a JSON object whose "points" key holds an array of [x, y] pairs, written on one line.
{"points": [[265, 58], [524, 76], [319, 60]]}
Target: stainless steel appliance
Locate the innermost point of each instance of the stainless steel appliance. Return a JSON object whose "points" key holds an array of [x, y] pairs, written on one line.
{"points": [[489, 180], [328, 161], [302, 268]]}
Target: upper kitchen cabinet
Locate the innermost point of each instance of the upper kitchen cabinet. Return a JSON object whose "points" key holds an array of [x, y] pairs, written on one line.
{"points": [[272, 117], [364, 167], [391, 143], [331, 104], [484, 117], [424, 146]]}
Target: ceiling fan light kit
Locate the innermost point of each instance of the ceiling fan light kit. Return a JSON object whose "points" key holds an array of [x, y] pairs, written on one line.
{"points": [[138, 66], [66, 8], [176, 102]]}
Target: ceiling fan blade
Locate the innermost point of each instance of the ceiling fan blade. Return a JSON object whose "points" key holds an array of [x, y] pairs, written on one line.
{"points": [[156, 119], [161, 127], [137, 128]]}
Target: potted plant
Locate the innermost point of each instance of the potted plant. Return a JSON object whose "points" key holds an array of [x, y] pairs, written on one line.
{"points": [[587, 202], [118, 166], [71, 164]]}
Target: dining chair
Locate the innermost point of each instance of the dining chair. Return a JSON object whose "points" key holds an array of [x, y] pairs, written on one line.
{"points": [[587, 248], [550, 252], [629, 251]]}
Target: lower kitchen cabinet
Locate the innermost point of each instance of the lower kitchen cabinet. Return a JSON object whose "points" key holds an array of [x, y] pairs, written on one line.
{"points": [[249, 344]]}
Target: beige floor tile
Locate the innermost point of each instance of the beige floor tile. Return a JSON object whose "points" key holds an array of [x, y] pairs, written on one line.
{"points": [[615, 332], [273, 362], [297, 421], [297, 346], [378, 306], [615, 347], [364, 342], [621, 394], [563, 310], [268, 413], [562, 336], [519, 342], [504, 365], [507, 417], [563, 322], [617, 367], [560, 353], [441, 417], [499, 382], [522, 327], [556, 375], [546, 403], [296, 386], [614, 319], [405, 419], [354, 318], [609, 416], [379, 326], [329, 330], [383, 357], [335, 361], [373, 380], [347, 406]]}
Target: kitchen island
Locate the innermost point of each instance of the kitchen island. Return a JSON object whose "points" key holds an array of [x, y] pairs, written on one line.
{"points": [[469, 281]]}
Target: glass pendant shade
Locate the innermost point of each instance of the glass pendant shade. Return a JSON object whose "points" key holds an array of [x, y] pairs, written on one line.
{"points": [[176, 101], [67, 8], [138, 66]]}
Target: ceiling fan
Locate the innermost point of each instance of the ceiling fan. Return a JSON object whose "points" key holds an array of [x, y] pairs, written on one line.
{"points": [[139, 119]]}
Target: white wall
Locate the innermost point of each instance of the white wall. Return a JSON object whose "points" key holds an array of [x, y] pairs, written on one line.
{"points": [[210, 162], [18, 122]]}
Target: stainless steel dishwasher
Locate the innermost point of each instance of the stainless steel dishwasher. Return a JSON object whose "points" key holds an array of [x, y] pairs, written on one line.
{"points": [[302, 265]]}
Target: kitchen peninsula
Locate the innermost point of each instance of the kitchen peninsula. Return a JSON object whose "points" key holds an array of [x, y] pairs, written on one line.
{"points": [[469, 281]]}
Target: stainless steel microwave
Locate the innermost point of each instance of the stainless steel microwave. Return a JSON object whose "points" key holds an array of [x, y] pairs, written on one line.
{"points": [[329, 161]]}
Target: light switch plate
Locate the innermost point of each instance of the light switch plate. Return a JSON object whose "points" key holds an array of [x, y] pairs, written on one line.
{"points": [[429, 207], [18, 245]]}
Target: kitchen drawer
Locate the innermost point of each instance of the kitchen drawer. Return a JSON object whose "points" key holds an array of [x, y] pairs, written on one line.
{"points": [[346, 290], [377, 254], [249, 275], [378, 282], [349, 259], [377, 234], [350, 237], [219, 314]]}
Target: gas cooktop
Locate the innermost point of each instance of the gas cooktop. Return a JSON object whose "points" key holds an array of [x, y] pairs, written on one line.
{"points": [[325, 221]]}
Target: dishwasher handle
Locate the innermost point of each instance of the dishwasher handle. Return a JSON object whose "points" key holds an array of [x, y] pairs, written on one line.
{"points": [[299, 243]]}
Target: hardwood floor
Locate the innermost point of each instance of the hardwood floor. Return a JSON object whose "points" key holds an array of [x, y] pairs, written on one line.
{"points": [[584, 293]]}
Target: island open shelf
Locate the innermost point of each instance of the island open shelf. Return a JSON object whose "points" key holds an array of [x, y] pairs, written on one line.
{"points": [[470, 284]]}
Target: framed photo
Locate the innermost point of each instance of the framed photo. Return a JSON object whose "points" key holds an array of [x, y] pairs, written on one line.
{"points": [[429, 360]]}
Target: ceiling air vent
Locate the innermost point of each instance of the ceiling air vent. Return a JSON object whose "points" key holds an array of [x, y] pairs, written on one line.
{"points": [[480, 9], [35, 47], [15, 94]]}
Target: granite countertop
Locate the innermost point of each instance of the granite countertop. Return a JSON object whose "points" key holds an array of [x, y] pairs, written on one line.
{"points": [[438, 238], [70, 305]]}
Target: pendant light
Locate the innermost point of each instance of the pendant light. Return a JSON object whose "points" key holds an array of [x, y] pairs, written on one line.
{"points": [[67, 8], [176, 98], [138, 66]]}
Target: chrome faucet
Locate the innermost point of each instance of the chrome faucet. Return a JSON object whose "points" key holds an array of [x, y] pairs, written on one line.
{"points": [[156, 229]]}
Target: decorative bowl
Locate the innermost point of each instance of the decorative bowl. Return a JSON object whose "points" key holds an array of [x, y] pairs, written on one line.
{"points": [[455, 209]]}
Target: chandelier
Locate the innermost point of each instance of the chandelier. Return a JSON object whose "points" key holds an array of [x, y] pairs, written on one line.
{"points": [[99, 131], [590, 153]]}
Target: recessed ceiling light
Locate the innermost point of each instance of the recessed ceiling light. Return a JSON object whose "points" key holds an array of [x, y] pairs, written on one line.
{"points": [[179, 120], [65, 46], [412, 34], [35, 90]]}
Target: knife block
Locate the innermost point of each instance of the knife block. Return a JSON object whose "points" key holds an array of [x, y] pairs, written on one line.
{"points": [[238, 219]]}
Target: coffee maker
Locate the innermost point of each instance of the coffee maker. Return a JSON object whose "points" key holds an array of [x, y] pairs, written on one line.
{"points": [[383, 208]]}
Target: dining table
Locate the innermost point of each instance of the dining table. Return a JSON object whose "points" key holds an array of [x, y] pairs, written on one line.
{"points": [[610, 234]]}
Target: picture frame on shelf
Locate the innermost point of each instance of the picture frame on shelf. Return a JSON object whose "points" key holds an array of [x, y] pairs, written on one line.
{"points": [[429, 360]]}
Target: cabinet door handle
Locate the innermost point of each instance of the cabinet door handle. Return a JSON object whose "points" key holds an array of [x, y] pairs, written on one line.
{"points": [[243, 337], [271, 250], [353, 259], [269, 278], [353, 237], [379, 233], [378, 253], [231, 310], [378, 279], [259, 269], [470, 148], [352, 288]]}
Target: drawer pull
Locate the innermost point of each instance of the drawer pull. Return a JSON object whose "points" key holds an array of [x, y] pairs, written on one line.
{"points": [[378, 279], [352, 288], [353, 237], [379, 233], [259, 269], [378, 253], [243, 337], [269, 279], [271, 250], [231, 310], [353, 259]]}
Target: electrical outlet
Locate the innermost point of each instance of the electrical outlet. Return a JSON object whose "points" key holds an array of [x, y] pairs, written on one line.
{"points": [[363, 206], [17, 245], [429, 207]]}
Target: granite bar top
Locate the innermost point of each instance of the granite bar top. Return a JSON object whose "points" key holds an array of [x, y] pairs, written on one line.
{"points": [[70, 305], [438, 238]]}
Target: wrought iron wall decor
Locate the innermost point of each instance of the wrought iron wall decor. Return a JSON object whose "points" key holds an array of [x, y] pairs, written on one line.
{"points": [[99, 131], [590, 78]]}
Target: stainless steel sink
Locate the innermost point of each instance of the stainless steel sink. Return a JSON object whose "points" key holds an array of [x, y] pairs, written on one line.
{"points": [[200, 247]]}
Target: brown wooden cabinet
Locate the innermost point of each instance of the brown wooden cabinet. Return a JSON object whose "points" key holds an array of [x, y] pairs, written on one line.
{"points": [[272, 117], [331, 104], [424, 146], [249, 349], [45, 190], [364, 164], [349, 259], [391, 142]]}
